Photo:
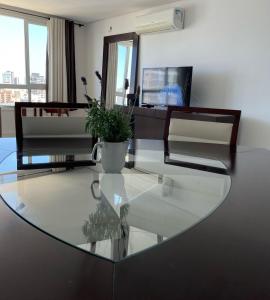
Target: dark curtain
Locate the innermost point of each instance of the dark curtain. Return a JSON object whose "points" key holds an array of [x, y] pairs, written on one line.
{"points": [[70, 58]]}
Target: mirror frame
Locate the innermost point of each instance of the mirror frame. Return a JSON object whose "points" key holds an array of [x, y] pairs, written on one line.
{"points": [[131, 36]]}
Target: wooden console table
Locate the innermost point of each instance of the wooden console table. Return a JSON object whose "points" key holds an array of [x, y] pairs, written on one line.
{"points": [[150, 122]]}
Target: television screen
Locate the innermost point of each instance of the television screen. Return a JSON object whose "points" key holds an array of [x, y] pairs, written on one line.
{"points": [[167, 86]]}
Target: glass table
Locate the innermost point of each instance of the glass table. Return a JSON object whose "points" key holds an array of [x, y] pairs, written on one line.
{"points": [[40, 153], [163, 191]]}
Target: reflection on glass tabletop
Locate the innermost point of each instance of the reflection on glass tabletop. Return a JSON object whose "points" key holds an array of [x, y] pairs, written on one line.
{"points": [[118, 215]]}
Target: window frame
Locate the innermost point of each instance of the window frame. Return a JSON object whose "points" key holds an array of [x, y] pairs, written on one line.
{"points": [[28, 85]]}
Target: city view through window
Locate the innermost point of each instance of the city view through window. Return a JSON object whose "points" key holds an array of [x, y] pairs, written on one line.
{"points": [[22, 60]]}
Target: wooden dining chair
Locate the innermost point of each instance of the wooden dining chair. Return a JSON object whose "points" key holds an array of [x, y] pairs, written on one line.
{"points": [[202, 125]]}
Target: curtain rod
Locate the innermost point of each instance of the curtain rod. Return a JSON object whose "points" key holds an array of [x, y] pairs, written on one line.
{"points": [[35, 15]]}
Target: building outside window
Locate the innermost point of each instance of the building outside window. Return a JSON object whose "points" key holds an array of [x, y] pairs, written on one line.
{"points": [[22, 58]]}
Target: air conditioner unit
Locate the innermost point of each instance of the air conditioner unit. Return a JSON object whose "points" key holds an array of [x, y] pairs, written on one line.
{"points": [[166, 20]]}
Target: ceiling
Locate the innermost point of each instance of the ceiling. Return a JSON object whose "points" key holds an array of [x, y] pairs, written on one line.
{"points": [[86, 10]]}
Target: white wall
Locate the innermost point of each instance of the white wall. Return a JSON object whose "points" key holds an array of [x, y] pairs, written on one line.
{"points": [[227, 42]]}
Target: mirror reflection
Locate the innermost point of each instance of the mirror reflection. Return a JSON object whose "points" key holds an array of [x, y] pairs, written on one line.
{"points": [[119, 73], [119, 68]]}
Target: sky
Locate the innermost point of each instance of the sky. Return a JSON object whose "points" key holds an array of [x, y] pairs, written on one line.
{"points": [[122, 52], [12, 53]]}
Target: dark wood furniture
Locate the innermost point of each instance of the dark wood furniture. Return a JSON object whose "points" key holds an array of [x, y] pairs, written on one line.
{"points": [[149, 123], [57, 111], [226, 256], [131, 36], [199, 113], [218, 152]]}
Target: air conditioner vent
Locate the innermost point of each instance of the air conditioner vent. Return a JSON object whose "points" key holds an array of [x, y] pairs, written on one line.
{"points": [[167, 20]]}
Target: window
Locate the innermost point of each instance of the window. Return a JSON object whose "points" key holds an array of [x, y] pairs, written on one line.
{"points": [[22, 59]]}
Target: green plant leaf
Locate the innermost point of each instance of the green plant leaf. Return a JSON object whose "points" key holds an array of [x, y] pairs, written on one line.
{"points": [[110, 125]]}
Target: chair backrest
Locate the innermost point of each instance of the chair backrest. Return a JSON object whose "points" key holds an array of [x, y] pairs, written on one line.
{"points": [[50, 120], [54, 127], [202, 125]]}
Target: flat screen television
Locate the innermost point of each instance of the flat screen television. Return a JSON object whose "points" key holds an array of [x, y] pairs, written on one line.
{"points": [[166, 86]]}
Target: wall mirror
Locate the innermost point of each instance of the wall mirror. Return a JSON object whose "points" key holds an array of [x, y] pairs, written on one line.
{"points": [[119, 71]]}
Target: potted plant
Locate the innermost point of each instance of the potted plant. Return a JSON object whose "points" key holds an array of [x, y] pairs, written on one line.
{"points": [[113, 128]]}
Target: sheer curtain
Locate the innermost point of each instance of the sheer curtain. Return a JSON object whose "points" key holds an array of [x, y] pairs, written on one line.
{"points": [[57, 71], [61, 75], [112, 76], [61, 65]]}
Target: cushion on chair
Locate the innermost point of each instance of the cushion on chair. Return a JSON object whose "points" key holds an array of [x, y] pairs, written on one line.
{"points": [[50, 127], [200, 131]]}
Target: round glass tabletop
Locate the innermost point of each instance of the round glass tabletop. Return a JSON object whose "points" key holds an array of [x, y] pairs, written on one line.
{"points": [[118, 215]]}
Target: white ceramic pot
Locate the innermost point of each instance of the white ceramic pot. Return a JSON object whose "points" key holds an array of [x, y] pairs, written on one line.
{"points": [[112, 156]]}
